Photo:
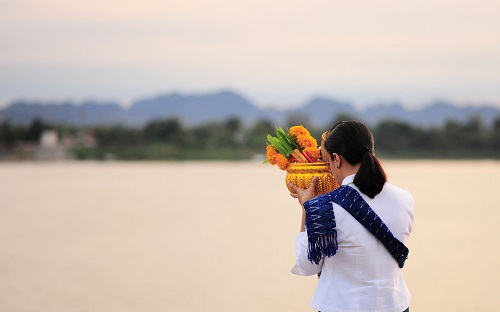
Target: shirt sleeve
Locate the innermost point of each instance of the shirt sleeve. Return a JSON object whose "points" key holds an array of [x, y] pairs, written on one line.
{"points": [[303, 266]]}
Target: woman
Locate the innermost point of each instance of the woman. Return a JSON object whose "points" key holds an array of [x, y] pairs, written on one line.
{"points": [[357, 271]]}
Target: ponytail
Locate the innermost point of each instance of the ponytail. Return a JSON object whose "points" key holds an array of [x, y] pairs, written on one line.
{"points": [[354, 141], [370, 178]]}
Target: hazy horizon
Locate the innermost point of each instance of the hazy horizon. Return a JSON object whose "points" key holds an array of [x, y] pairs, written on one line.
{"points": [[126, 103]]}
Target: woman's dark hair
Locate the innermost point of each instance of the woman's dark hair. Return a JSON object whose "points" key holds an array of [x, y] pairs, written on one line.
{"points": [[354, 142]]}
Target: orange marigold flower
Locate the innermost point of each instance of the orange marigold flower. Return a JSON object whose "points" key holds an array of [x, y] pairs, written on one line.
{"points": [[298, 131], [307, 141], [282, 162], [302, 136], [271, 154]]}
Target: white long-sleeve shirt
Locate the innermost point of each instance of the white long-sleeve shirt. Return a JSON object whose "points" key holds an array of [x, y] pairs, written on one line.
{"points": [[362, 276]]}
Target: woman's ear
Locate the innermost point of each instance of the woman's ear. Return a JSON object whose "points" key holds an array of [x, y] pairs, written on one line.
{"points": [[336, 160]]}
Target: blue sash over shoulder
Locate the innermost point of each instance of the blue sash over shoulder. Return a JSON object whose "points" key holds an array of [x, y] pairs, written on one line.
{"points": [[321, 227]]}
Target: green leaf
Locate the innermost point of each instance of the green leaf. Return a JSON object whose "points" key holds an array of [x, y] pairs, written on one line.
{"points": [[286, 137], [279, 146]]}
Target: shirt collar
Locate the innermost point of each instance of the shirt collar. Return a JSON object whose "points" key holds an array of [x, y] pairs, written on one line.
{"points": [[348, 179]]}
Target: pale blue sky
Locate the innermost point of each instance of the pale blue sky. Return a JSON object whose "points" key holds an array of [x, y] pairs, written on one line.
{"points": [[276, 52]]}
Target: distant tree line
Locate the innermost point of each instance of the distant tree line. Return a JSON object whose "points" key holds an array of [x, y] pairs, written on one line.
{"points": [[169, 139]]}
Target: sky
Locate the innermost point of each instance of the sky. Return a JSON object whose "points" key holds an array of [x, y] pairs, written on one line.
{"points": [[277, 53]]}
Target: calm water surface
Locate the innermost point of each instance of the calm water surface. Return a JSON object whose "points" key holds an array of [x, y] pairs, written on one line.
{"points": [[216, 236]]}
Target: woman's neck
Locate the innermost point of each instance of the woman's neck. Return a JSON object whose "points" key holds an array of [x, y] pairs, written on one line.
{"points": [[348, 170]]}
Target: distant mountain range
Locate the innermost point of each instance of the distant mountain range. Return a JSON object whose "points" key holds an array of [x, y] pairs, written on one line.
{"points": [[219, 106]]}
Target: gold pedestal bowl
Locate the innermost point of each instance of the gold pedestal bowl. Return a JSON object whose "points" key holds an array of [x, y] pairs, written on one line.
{"points": [[301, 175]]}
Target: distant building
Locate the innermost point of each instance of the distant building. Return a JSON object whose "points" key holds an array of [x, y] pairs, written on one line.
{"points": [[49, 147]]}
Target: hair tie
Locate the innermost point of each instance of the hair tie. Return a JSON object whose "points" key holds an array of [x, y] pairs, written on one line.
{"points": [[364, 150]]}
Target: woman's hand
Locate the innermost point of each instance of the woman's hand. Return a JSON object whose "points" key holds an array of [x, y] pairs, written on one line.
{"points": [[304, 195]]}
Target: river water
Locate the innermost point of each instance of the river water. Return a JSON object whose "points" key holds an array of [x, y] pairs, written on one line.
{"points": [[219, 236]]}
